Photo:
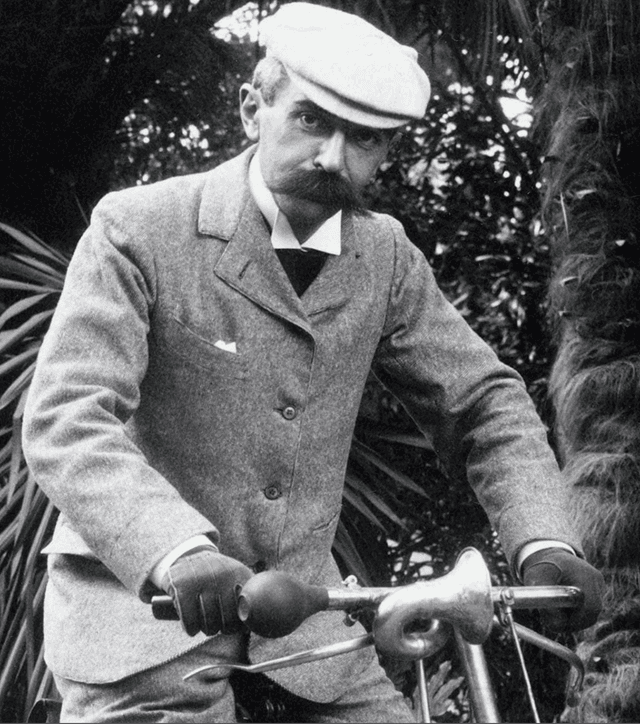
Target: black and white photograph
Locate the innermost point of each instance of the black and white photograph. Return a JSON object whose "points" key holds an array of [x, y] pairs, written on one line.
{"points": [[319, 361]]}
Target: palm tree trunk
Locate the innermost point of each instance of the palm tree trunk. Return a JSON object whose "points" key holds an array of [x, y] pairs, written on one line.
{"points": [[588, 115]]}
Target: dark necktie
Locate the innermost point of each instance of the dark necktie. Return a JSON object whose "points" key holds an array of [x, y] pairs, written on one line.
{"points": [[302, 267]]}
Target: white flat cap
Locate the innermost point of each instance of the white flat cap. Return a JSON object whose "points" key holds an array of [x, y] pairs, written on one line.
{"points": [[346, 65]]}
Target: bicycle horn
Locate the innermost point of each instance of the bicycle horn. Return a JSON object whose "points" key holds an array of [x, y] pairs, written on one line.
{"points": [[273, 604], [461, 598]]}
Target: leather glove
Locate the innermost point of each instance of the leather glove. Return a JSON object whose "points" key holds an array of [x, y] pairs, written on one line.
{"points": [[559, 567], [204, 585]]}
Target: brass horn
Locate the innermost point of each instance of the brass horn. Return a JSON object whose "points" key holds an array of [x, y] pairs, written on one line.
{"points": [[461, 598]]}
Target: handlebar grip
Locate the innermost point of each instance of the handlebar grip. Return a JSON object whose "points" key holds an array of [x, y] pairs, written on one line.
{"points": [[163, 609], [273, 604]]}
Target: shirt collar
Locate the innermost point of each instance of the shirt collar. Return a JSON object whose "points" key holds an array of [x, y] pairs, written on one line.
{"points": [[327, 238]]}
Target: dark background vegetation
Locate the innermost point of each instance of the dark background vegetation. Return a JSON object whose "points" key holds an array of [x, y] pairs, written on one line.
{"points": [[100, 95]]}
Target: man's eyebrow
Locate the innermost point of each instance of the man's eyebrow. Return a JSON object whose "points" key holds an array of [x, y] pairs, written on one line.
{"points": [[311, 107]]}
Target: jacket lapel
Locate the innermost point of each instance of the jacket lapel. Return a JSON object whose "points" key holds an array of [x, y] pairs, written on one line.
{"points": [[250, 265], [339, 276]]}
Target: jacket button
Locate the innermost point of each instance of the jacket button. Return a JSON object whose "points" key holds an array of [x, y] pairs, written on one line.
{"points": [[272, 492], [289, 413]]}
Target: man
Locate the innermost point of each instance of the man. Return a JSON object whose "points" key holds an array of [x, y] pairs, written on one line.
{"points": [[193, 404]]}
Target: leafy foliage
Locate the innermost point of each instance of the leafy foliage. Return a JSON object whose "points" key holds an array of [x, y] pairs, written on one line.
{"points": [[82, 68], [469, 203], [32, 275]]}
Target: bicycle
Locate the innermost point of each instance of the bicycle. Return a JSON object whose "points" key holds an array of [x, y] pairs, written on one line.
{"points": [[411, 622]]}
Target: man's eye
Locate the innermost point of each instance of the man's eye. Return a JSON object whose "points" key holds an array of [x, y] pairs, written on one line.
{"points": [[310, 121], [367, 139]]}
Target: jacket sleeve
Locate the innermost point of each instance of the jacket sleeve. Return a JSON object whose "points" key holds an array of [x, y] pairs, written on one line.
{"points": [[475, 409], [85, 387]]}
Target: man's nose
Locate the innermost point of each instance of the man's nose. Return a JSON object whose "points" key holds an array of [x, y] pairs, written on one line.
{"points": [[331, 155]]}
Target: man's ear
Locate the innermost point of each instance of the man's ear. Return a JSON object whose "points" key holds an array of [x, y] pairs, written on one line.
{"points": [[250, 101]]}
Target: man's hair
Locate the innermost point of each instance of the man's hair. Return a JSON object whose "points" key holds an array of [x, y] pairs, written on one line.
{"points": [[269, 77]]}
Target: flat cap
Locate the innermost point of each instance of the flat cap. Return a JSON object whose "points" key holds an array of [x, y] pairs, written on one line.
{"points": [[346, 65]]}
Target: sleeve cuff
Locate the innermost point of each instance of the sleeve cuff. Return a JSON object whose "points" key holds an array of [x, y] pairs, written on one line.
{"points": [[161, 568], [538, 545]]}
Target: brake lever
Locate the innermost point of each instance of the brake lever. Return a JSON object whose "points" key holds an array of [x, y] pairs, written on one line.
{"points": [[284, 662]]}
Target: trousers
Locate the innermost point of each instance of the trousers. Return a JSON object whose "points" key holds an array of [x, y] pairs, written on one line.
{"points": [[160, 695]]}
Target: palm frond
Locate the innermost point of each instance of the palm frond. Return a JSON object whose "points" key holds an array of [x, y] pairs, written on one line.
{"points": [[32, 274], [348, 551], [35, 246], [20, 306], [359, 493], [361, 452]]}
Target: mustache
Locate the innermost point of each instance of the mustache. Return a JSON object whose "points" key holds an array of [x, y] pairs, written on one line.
{"points": [[328, 189]]}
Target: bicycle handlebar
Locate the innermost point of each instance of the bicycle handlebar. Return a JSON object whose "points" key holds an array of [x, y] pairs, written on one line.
{"points": [[411, 622], [273, 604]]}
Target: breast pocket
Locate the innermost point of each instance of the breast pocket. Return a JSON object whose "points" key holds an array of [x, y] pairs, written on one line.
{"points": [[215, 356]]}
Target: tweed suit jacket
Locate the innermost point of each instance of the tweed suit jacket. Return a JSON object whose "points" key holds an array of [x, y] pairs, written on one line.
{"points": [[145, 427]]}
